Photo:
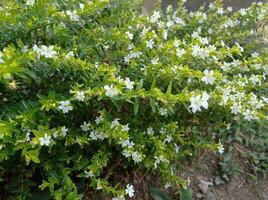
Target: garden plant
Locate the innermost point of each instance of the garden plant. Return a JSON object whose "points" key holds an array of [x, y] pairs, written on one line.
{"points": [[90, 88]]}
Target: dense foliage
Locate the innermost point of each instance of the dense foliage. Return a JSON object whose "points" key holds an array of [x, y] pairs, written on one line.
{"points": [[90, 87]]}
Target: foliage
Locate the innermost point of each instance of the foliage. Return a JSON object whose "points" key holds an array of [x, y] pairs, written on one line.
{"points": [[89, 87]]}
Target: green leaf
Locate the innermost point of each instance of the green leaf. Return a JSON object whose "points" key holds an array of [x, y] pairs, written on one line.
{"points": [[156, 194], [227, 156], [186, 194], [136, 106]]}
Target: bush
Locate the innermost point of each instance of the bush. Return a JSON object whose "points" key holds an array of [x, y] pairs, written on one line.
{"points": [[92, 87]]}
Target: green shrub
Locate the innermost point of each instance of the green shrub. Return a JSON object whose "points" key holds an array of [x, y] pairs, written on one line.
{"points": [[92, 87]]}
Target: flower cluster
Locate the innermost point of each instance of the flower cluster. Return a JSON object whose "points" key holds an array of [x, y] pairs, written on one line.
{"points": [[138, 94]]}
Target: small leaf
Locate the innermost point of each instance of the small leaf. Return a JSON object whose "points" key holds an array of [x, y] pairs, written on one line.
{"points": [[218, 180], [186, 194], [227, 156], [156, 194], [136, 106]]}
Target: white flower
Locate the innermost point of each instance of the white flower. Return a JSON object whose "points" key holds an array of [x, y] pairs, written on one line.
{"points": [[28, 136], [150, 131], [99, 119], [167, 185], [129, 35], [130, 190], [73, 15], [85, 126], [69, 55], [121, 197], [154, 18], [168, 139], [154, 61], [220, 11], [125, 128], [110, 91], [197, 102], [65, 106], [199, 52], [80, 96], [159, 159], [255, 55], [220, 148], [64, 131], [1, 58], [45, 141], [81, 6], [89, 174], [129, 84], [30, 2], [255, 79], [163, 111], [150, 44], [208, 77], [243, 11], [180, 52], [248, 115], [229, 9], [127, 143], [115, 123], [47, 51], [136, 157], [236, 108]]}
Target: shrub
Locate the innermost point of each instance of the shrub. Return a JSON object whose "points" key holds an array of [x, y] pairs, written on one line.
{"points": [[93, 86]]}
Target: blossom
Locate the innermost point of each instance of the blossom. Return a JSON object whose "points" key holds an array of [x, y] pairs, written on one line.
{"points": [[73, 15], [129, 84], [129, 35], [163, 111], [243, 11], [125, 128], [64, 131], [154, 61], [110, 91], [220, 148], [127, 143], [255, 79], [168, 139], [30, 2], [180, 52], [1, 58], [199, 52], [208, 77], [65, 106], [255, 55], [236, 108], [80, 96], [121, 197], [115, 122], [197, 102], [28, 136], [150, 131], [130, 190], [150, 44], [45, 141], [248, 115], [89, 174], [69, 54], [99, 119], [85, 126], [159, 159], [154, 18], [136, 157], [46, 51]]}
